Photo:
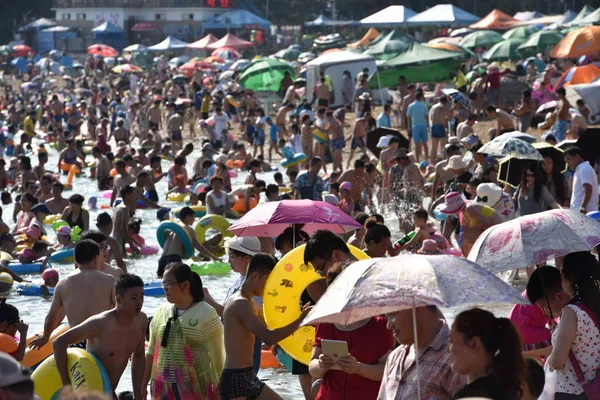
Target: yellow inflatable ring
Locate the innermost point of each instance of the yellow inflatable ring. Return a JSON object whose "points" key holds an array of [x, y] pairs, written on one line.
{"points": [[284, 189], [212, 221], [233, 101], [85, 372], [33, 357], [176, 197], [51, 218], [320, 136], [281, 300]]}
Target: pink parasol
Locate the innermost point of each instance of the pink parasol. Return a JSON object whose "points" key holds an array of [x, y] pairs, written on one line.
{"points": [[533, 239], [270, 219]]}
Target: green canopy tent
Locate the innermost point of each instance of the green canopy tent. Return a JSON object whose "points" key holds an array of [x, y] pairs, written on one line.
{"points": [[391, 44], [521, 32], [503, 51], [540, 42], [418, 64], [481, 39], [264, 75]]}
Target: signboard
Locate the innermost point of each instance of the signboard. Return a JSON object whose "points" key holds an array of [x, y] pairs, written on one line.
{"points": [[114, 17]]}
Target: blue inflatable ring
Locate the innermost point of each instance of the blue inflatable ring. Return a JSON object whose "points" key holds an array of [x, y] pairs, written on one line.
{"points": [[186, 240]]}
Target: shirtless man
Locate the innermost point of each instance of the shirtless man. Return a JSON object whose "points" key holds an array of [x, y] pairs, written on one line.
{"points": [[177, 169], [68, 155], [242, 320], [439, 115], [57, 203], [105, 225], [141, 184], [290, 94], [102, 168], [122, 179], [45, 192], [121, 216], [505, 122], [100, 239], [173, 248], [359, 134], [407, 100], [360, 181], [81, 294], [578, 125], [387, 160], [561, 126], [280, 119], [125, 322], [175, 129], [58, 110], [322, 93], [120, 133], [337, 142], [154, 116]]}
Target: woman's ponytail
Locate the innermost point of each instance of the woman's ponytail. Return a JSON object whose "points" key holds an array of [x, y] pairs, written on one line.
{"points": [[196, 288]]}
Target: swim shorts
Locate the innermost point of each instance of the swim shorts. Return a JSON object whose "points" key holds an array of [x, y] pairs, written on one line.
{"points": [[176, 135], [152, 195], [337, 144], [438, 131], [259, 138], [357, 142], [241, 382], [80, 345], [103, 182], [560, 130], [323, 103], [419, 133], [152, 125], [164, 260]]}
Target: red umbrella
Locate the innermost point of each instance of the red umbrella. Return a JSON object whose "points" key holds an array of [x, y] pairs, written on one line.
{"points": [[22, 50], [189, 67], [102, 50]]}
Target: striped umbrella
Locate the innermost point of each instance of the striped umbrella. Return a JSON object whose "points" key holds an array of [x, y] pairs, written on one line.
{"points": [[227, 53], [578, 75]]}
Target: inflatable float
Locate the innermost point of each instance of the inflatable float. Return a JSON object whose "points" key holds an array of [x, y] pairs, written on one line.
{"points": [[30, 268], [32, 289], [218, 268], [320, 136], [85, 372], [62, 256], [268, 360], [6, 282], [293, 160], [281, 300], [180, 232], [240, 204], [51, 219], [33, 357], [8, 344], [176, 197], [212, 221], [199, 211]]}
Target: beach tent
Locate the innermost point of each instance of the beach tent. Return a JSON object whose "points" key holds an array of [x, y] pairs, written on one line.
{"points": [[265, 74], [203, 43], [170, 43], [37, 25], [134, 47], [371, 35], [393, 43], [334, 64], [527, 15], [546, 20], [565, 19], [107, 28], [236, 19], [321, 20], [584, 12], [592, 18], [20, 64], [230, 40], [495, 20], [110, 34], [443, 14], [392, 16], [419, 64]]}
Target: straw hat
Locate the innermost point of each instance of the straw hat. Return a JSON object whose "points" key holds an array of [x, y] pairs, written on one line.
{"points": [[456, 162], [453, 203]]}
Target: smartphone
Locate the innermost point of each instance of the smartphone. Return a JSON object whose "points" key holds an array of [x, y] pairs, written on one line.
{"points": [[334, 349]]}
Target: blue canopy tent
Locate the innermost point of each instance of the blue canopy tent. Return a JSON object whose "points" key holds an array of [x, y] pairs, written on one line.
{"points": [[20, 63], [236, 19], [110, 34], [321, 20], [46, 40], [443, 14]]}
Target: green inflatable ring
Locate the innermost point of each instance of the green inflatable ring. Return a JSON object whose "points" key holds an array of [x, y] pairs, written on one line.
{"points": [[218, 268]]}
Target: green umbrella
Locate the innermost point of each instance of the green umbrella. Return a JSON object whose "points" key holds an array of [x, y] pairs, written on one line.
{"points": [[5, 50], [520, 32], [287, 54], [481, 39], [503, 51], [264, 75], [540, 42]]}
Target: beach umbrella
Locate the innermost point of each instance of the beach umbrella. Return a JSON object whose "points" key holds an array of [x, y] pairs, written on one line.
{"points": [[451, 47], [446, 39], [102, 50], [22, 50], [214, 60], [227, 53], [510, 147], [557, 155], [458, 97], [264, 75], [195, 64], [5, 50], [480, 39], [540, 66], [461, 32], [589, 144], [287, 54], [519, 135], [374, 136], [511, 169], [127, 68], [134, 48], [239, 65], [580, 42], [272, 218], [540, 42], [378, 286], [521, 32], [578, 75], [503, 51], [534, 239]]}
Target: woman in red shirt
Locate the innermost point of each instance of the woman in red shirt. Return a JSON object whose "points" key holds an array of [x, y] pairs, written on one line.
{"points": [[360, 373]]}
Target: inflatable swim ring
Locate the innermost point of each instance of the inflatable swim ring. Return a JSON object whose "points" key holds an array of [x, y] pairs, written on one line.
{"points": [[31, 289], [440, 216], [199, 211], [20, 269], [8, 344], [233, 173], [62, 256], [212, 221], [240, 205], [268, 360], [145, 250], [294, 160], [65, 167], [170, 157], [33, 357], [51, 218], [218, 268], [85, 372], [284, 189], [107, 194], [281, 300], [594, 214], [176, 197], [180, 232], [6, 282], [5, 256], [154, 289], [233, 101], [320, 136]]}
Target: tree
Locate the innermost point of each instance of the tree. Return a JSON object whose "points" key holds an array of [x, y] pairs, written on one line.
{"points": [[16, 13]]}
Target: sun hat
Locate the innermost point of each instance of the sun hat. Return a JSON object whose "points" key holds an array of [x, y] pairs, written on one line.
{"points": [[11, 371], [64, 230], [453, 203], [346, 185], [456, 162], [246, 244], [49, 273], [384, 142], [470, 140], [453, 140], [331, 199], [41, 208], [222, 158], [429, 246], [488, 194]]}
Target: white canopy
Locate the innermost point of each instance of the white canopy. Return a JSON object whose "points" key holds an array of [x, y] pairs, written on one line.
{"points": [[170, 43], [340, 57], [390, 16], [443, 14]]}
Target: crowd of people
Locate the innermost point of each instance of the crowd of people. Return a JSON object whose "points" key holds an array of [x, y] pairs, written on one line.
{"points": [[195, 347]]}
